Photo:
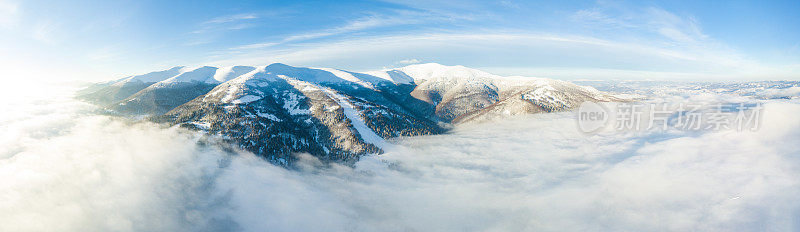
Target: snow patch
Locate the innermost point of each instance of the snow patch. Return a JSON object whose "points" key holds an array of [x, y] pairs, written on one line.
{"points": [[394, 76], [354, 115], [229, 73], [292, 104], [305, 74], [269, 116], [246, 99], [201, 125], [202, 74], [341, 74], [229, 94], [436, 71], [544, 95]]}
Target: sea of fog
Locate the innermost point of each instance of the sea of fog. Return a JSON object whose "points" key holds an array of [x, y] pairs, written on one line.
{"points": [[65, 168]]}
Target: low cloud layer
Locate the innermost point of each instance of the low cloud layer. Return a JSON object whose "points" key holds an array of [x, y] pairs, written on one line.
{"points": [[83, 172]]}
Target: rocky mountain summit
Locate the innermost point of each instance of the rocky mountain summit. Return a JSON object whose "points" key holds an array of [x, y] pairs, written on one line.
{"points": [[336, 115]]}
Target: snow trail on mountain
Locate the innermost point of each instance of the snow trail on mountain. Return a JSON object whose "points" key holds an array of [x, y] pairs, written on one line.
{"points": [[354, 115]]}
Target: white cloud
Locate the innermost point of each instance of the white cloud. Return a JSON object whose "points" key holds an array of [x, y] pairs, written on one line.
{"points": [[356, 25], [353, 26], [105, 54], [409, 61], [509, 51], [227, 23], [676, 28], [644, 42], [255, 46], [597, 16], [668, 26], [398, 17], [66, 171], [509, 4], [9, 14], [231, 18], [44, 32]]}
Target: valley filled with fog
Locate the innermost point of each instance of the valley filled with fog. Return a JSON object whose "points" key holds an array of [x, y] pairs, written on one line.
{"points": [[64, 167]]}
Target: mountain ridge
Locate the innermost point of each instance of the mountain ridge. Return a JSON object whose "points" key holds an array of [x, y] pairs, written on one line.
{"points": [[278, 110]]}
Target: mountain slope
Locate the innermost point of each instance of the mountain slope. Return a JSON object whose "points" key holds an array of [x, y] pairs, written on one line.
{"points": [[460, 94], [114, 91], [337, 115], [278, 110], [165, 95]]}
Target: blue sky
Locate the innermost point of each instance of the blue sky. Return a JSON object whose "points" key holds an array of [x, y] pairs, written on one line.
{"points": [[708, 40]]}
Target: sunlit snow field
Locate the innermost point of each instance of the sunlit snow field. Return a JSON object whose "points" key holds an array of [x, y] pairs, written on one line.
{"points": [[65, 168]]}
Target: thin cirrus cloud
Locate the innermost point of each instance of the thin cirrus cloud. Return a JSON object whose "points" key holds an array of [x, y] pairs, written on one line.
{"points": [[228, 22], [676, 28], [231, 18], [45, 32], [630, 39], [9, 14], [367, 23], [647, 43], [652, 19], [409, 61], [519, 53]]}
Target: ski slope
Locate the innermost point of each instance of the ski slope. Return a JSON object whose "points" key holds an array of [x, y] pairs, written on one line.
{"points": [[354, 115]]}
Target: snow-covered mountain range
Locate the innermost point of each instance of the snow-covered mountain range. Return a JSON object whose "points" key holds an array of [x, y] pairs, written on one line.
{"points": [[335, 115]]}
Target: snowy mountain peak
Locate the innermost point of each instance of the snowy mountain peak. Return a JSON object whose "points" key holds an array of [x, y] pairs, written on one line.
{"points": [[224, 74], [304, 74], [330, 75], [203, 74], [392, 75], [256, 75], [438, 71], [151, 76], [278, 110], [206, 75], [278, 65]]}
